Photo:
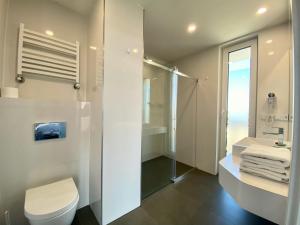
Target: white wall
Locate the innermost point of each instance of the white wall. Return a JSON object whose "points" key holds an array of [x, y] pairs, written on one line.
{"points": [[94, 95], [25, 163], [2, 32], [122, 118], [54, 99], [3, 14], [273, 75], [204, 66], [39, 16]]}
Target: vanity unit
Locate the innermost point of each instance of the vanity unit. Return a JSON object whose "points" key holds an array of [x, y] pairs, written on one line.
{"points": [[263, 197]]}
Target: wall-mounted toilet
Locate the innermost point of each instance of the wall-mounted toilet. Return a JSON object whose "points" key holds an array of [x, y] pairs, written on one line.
{"points": [[52, 204]]}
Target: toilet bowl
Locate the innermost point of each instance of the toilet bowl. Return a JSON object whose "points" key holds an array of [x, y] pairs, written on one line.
{"points": [[52, 204]]}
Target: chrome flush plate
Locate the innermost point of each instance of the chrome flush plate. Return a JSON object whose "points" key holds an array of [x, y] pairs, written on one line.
{"points": [[51, 130]]}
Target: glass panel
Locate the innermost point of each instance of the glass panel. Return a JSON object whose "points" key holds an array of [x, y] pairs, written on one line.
{"points": [[158, 142], [238, 96], [186, 125]]}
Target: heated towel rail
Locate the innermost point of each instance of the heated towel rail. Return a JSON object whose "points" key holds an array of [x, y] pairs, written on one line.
{"points": [[43, 55]]}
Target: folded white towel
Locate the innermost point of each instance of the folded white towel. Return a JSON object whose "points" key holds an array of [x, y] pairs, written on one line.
{"points": [[254, 165], [271, 165], [265, 174], [265, 155]]}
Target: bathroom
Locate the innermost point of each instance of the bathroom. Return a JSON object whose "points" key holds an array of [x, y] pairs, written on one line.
{"points": [[147, 111]]}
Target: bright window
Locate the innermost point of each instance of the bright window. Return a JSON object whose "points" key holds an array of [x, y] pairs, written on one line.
{"points": [[147, 98], [239, 77]]}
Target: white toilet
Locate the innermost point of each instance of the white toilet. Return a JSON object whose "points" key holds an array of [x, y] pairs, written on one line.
{"points": [[52, 204]]}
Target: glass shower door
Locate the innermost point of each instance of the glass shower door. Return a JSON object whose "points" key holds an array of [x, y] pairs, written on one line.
{"points": [[159, 129], [186, 125]]}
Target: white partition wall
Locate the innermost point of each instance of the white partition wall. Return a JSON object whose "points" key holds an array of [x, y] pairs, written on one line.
{"points": [[122, 115]]}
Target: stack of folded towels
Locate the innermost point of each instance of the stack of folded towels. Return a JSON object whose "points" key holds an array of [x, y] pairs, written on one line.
{"points": [[268, 162]]}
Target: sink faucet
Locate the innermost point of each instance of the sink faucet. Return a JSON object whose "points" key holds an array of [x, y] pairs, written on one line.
{"points": [[280, 134]]}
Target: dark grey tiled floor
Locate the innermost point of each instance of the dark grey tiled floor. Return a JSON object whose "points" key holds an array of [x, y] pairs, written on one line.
{"points": [[196, 200], [84, 216], [158, 172]]}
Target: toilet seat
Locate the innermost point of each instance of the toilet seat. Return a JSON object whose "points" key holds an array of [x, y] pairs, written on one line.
{"points": [[52, 200]]}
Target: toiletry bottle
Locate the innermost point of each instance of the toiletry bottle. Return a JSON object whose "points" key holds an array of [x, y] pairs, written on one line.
{"points": [[280, 136]]}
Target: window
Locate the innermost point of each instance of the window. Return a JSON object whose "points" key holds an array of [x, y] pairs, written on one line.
{"points": [[147, 98]]}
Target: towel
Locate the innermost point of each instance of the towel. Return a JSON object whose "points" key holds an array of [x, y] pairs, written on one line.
{"points": [[270, 156], [269, 165], [254, 165], [265, 174]]}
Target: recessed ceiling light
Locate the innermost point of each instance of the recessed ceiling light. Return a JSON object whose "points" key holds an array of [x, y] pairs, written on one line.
{"points": [[271, 53], [191, 28], [93, 47], [135, 50], [269, 41], [261, 10], [49, 32]]}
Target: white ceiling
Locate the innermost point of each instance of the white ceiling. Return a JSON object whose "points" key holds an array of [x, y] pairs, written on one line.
{"points": [[218, 21], [80, 6]]}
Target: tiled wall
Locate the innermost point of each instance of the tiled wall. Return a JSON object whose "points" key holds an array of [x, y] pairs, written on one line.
{"points": [[40, 16], [79, 154], [25, 163], [274, 75]]}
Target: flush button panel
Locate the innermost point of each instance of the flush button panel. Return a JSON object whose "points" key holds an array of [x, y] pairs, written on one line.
{"points": [[52, 130]]}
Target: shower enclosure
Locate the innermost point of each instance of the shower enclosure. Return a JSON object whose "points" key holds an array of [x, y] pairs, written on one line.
{"points": [[169, 126]]}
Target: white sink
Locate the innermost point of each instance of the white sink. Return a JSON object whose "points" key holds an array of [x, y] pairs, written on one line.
{"points": [[241, 145]]}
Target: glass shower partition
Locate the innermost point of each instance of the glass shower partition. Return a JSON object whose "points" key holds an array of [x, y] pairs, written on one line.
{"points": [[186, 125], [169, 126], [159, 129]]}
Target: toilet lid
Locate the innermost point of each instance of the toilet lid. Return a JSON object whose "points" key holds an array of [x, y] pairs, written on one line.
{"points": [[50, 200]]}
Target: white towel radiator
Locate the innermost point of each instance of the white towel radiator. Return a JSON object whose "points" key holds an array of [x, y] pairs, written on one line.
{"points": [[43, 55]]}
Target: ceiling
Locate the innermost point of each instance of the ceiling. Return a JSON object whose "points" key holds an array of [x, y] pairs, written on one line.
{"points": [[217, 21], [80, 6]]}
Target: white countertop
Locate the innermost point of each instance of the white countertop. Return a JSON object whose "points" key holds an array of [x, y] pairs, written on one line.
{"points": [[263, 197], [232, 163]]}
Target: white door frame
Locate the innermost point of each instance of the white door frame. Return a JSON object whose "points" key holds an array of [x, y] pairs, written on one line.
{"points": [[253, 90], [293, 213]]}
